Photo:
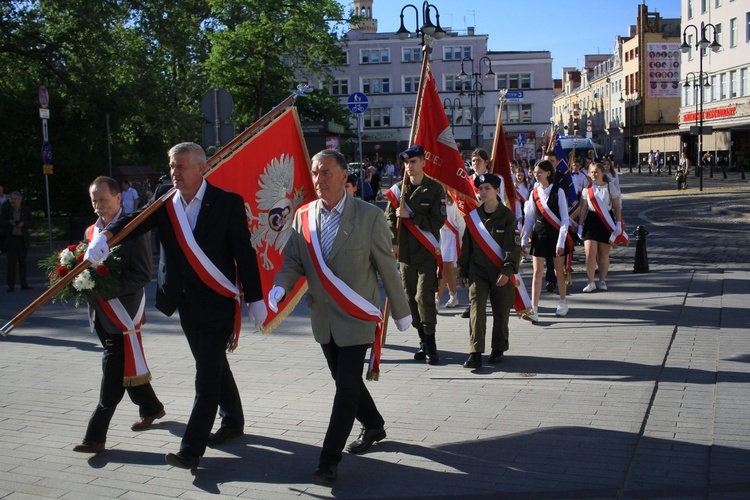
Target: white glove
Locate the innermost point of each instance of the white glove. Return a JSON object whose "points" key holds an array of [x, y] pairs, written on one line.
{"points": [[403, 324], [256, 311], [618, 228], [580, 231], [275, 296], [98, 249]]}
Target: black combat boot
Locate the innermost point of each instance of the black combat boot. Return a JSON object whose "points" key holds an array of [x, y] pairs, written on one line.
{"points": [[474, 362], [430, 349], [420, 354]]}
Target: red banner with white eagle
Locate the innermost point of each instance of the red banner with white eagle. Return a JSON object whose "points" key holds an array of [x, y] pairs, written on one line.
{"points": [[271, 171], [443, 160]]}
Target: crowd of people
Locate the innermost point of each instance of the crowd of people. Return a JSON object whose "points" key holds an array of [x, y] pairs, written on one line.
{"points": [[421, 247]]}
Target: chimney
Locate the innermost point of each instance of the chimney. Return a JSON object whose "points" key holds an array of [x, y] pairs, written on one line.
{"points": [[470, 31]]}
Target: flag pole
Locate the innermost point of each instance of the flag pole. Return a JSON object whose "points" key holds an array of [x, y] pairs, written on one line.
{"points": [[498, 129], [211, 164], [426, 50]]}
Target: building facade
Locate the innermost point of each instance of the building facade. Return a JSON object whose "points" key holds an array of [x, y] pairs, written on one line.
{"points": [[386, 69], [726, 97]]}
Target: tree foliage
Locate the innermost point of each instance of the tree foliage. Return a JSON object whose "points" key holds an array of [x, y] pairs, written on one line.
{"points": [[144, 65]]}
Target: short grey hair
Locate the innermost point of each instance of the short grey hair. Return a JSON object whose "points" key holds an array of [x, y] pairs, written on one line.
{"points": [[195, 150], [331, 153]]}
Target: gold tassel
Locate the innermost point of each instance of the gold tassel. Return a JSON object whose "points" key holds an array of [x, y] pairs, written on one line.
{"points": [[568, 277], [286, 311], [137, 380], [374, 376], [525, 312]]}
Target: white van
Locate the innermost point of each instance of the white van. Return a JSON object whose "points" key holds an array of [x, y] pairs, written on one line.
{"points": [[582, 146]]}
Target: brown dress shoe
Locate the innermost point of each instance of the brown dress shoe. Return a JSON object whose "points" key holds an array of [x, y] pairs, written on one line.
{"points": [[146, 422], [89, 447]]}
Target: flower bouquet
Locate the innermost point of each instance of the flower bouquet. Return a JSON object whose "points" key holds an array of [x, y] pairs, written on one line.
{"points": [[102, 278]]}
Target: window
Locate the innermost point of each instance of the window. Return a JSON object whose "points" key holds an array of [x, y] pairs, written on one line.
{"points": [[733, 83], [747, 27], [514, 81], [517, 113], [744, 82], [456, 53], [733, 32], [376, 85], [408, 116], [723, 84], [452, 83], [718, 3], [714, 88], [411, 83], [690, 9], [690, 52], [704, 6], [411, 54], [377, 117], [345, 57], [340, 86], [375, 56]]}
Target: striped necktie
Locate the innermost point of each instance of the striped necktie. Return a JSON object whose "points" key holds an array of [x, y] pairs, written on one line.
{"points": [[329, 222]]}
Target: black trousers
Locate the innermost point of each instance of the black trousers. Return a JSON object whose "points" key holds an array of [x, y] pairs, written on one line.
{"points": [[215, 387], [112, 390], [352, 400], [17, 255]]}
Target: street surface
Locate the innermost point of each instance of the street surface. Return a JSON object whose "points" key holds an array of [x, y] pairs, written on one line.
{"points": [[640, 392]]}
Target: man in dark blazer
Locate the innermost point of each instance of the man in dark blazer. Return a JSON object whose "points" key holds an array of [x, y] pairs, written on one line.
{"points": [[203, 232], [358, 251], [136, 269], [16, 220]]}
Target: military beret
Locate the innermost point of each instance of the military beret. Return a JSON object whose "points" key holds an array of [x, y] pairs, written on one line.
{"points": [[412, 152], [492, 179]]}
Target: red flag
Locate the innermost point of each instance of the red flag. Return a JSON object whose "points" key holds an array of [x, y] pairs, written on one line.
{"points": [[272, 173], [501, 166], [444, 162]]}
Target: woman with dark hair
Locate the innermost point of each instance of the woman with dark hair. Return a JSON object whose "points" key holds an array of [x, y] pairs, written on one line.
{"points": [[546, 228]]}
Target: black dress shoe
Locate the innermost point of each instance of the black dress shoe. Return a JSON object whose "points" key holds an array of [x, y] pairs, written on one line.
{"points": [[325, 474], [496, 356], [474, 362], [420, 355], [223, 434], [181, 460], [365, 440], [550, 286], [466, 313]]}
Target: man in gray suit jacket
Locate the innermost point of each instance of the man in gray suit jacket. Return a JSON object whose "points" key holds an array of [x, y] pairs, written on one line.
{"points": [[136, 268], [341, 245]]}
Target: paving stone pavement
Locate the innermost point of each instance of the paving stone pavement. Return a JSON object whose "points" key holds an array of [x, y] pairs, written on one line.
{"points": [[640, 392]]}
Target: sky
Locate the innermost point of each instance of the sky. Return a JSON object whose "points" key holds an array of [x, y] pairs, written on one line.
{"points": [[569, 30]]}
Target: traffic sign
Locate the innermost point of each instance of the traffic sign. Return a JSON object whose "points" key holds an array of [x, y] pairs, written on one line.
{"points": [[514, 96], [47, 170], [357, 103], [217, 104], [46, 153], [521, 139], [43, 96], [43, 113]]}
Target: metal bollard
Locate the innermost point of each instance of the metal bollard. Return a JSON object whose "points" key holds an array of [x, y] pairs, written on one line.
{"points": [[641, 256]]}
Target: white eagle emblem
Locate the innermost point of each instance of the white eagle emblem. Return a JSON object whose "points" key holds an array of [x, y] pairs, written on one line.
{"points": [[270, 229]]}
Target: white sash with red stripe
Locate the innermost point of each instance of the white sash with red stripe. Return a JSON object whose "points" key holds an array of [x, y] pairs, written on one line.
{"points": [[597, 203], [484, 239], [202, 265], [349, 300], [136, 370], [426, 238], [450, 227]]}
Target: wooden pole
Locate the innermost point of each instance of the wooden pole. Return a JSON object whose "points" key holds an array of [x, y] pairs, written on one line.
{"points": [[146, 212]]}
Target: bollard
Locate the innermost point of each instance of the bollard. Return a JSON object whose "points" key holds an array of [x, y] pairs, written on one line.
{"points": [[641, 256]]}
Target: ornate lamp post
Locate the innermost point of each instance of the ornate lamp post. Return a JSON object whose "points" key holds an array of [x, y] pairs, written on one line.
{"points": [[473, 86], [701, 44], [427, 29]]}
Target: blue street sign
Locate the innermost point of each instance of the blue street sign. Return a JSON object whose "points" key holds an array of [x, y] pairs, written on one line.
{"points": [[357, 103], [514, 96], [521, 139], [46, 153]]}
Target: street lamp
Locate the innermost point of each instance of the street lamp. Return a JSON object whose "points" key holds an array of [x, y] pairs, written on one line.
{"points": [[475, 89], [631, 104], [452, 105], [701, 44], [427, 29]]}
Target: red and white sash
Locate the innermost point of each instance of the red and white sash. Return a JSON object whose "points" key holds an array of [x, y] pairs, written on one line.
{"points": [[521, 302], [136, 370], [350, 301], [450, 227], [555, 222], [202, 265], [426, 238], [600, 208]]}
